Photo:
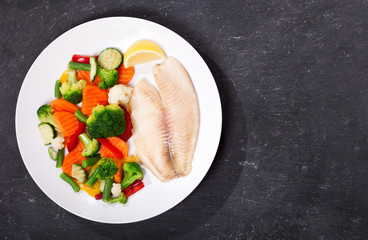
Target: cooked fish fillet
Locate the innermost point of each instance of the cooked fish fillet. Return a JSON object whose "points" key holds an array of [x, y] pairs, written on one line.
{"points": [[182, 112], [150, 132]]}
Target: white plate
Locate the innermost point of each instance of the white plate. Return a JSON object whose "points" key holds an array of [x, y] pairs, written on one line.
{"points": [[38, 88]]}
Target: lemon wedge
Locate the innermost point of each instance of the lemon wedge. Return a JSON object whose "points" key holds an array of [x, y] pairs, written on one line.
{"points": [[142, 52]]}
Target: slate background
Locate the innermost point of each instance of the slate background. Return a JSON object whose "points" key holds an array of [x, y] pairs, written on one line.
{"points": [[292, 162]]}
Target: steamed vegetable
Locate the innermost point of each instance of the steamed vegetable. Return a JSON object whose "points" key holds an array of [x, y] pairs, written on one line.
{"points": [[63, 105], [91, 161], [135, 189], [44, 114], [93, 96], [57, 92], [72, 157], [72, 90], [81, 58], [60, 158], [110, 58], [106, 121], [71, 182], [109, 78], [52, 153], [105, 170], [125, 74], [78, 173], [66, 122], [58, 141], [93, 71], [121, 199], [72, 141], [132, 172], [108, 149], [107, 190], [91, 146], [47, 132], [80, 116]]}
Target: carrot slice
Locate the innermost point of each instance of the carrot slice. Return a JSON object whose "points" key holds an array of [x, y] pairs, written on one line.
{"points": [[125, 74], [119, 148], [80, 146], [119, 174], [71, 141], [66, 122], [63, 105], [92, 96], [84, 75], [74, 156]]}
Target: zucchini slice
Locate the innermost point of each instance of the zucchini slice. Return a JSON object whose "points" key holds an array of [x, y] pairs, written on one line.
{"points": [[47, 132], [110, 58], [52, 153], [78, 173], [93, 72]]}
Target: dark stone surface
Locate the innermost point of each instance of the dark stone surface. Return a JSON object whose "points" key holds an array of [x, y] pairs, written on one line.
{"points": [[293, 158]]}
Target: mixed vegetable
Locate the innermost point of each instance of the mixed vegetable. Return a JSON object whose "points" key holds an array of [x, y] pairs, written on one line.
{"points": [[89, 118]]}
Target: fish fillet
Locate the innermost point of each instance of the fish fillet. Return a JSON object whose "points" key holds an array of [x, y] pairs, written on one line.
{"points": [[182, 112], [150, 132]]}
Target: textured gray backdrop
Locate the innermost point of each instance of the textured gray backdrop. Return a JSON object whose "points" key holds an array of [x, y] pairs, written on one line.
{"points": [[293, 158]]}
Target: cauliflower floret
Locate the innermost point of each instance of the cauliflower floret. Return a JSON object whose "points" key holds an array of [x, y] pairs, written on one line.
{"points": [[102, 185], [116, 190], [120, 94], [58, 141]]}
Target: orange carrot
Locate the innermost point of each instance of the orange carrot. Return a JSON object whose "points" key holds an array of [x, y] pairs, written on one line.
{"points": [[74, 156], [63, 105], [92, 96], [119, 174], [116, 142], [125, 74], [85, 76], [66, 122], [80, 146]]}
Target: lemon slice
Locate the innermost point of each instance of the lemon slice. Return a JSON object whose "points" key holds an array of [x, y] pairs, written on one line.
{"points": [[142, 52]]}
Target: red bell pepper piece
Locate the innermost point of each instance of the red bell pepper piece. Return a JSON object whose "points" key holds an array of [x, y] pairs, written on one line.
{"points": [[71, 141], [132, 185], [98, 196], [81, 58], [135, 189], [112, 148], [128, 126]]}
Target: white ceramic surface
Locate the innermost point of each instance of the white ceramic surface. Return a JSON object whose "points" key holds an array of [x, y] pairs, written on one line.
{"points": [[37, 89]]}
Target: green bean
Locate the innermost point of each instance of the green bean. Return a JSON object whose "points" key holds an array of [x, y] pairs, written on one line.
{"points": [[107, 190], [92, 179], [71, 182], [60, 158], [57, 89], [80, 116], [91, 161]]}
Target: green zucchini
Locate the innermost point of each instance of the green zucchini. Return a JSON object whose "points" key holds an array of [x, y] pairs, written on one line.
{"points": [[47, 132], [52, 153], [78, 173], [110, 59], [93, 72]]}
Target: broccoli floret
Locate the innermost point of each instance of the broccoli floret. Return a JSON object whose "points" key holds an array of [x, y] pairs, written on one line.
{"points": [[109, 78], [44, 114], [121, 199], [106, 121], [91, 146], [106, 170], [73, 92], [132, 172]]}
